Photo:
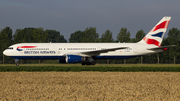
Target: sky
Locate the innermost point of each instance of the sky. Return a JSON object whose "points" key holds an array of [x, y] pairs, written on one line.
{"points": [[69, 16]]}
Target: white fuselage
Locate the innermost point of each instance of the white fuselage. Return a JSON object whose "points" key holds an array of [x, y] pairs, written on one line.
{"points": [[58, 50], [87, 52]]}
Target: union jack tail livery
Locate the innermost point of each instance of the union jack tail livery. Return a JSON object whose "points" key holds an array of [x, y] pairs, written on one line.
{"points": [[155, 36]]}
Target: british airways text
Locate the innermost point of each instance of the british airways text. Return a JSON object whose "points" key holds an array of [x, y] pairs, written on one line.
{"points": [[39, 52]]}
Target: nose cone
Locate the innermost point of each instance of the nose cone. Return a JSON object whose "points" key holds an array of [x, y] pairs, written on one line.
{"points": [[5, 52]]}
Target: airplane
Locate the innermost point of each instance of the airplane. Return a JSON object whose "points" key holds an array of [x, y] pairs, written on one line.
{"points": [[87, 53]]}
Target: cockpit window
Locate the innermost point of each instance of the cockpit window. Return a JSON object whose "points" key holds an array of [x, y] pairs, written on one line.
{"points": [[10, 48]]}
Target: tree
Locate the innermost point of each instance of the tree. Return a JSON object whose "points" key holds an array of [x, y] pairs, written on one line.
{"points": [[23, 35], [90, 35], [107, 36], [139, 35], [76, 36], [123, 35], [54, 36], [174, 39], [173, 36], [62, 39], [5, 41], [19, 36], [5, 38], [38, 35]]}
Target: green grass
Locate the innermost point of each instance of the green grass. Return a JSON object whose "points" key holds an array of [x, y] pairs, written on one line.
{"points": [[98, 67]]}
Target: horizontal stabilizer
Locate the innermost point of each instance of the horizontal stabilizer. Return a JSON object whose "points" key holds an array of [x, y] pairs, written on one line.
{"points": [[161, 47]]}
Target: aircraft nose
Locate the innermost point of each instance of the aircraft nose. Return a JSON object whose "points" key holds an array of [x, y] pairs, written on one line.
{"points": [[5, 52]]}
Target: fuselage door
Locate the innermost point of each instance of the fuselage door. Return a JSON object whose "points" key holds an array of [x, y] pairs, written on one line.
{"points": [[54, 48], [135, 48]]}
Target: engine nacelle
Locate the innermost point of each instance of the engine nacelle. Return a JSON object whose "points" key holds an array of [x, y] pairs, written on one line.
{"points": [[74, 59]]}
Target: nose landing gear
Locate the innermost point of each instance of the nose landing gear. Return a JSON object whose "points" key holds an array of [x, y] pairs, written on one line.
{"points": [[16, 62]]}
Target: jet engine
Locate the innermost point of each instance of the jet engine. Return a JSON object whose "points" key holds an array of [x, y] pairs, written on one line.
{"points": [[74, 59], [77, 59]]}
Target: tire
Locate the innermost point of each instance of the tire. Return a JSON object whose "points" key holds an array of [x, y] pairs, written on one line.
{"points": [[93, 63], [83, 63], [17, 64]]}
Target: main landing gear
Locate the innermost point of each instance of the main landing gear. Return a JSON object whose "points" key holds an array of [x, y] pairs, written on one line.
{"points": [[16, 62], [89, 61]]}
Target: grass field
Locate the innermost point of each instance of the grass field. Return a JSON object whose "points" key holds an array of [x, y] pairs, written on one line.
{"points": [[101, 65], [99, 68], [89, 86]]}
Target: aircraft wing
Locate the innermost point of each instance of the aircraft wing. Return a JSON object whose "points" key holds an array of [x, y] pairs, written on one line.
{"points": [[97, 52], [162, 47]]}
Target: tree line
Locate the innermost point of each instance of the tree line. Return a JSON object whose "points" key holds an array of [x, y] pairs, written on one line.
{"points": [[39, 35]]}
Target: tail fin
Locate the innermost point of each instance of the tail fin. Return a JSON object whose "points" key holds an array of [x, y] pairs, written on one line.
{"points": [[155, 36]]}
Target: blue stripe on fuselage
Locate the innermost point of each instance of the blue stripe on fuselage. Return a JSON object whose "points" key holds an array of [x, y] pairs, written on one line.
{"points": [[37, 57]]}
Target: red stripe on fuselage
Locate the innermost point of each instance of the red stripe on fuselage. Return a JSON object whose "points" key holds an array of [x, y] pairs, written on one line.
{"points": [[26, 46]]}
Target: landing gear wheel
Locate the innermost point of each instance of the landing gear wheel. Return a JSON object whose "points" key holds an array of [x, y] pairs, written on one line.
{"points": [[17, 64], [83, 63], [93, 63], [88, 63]]}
